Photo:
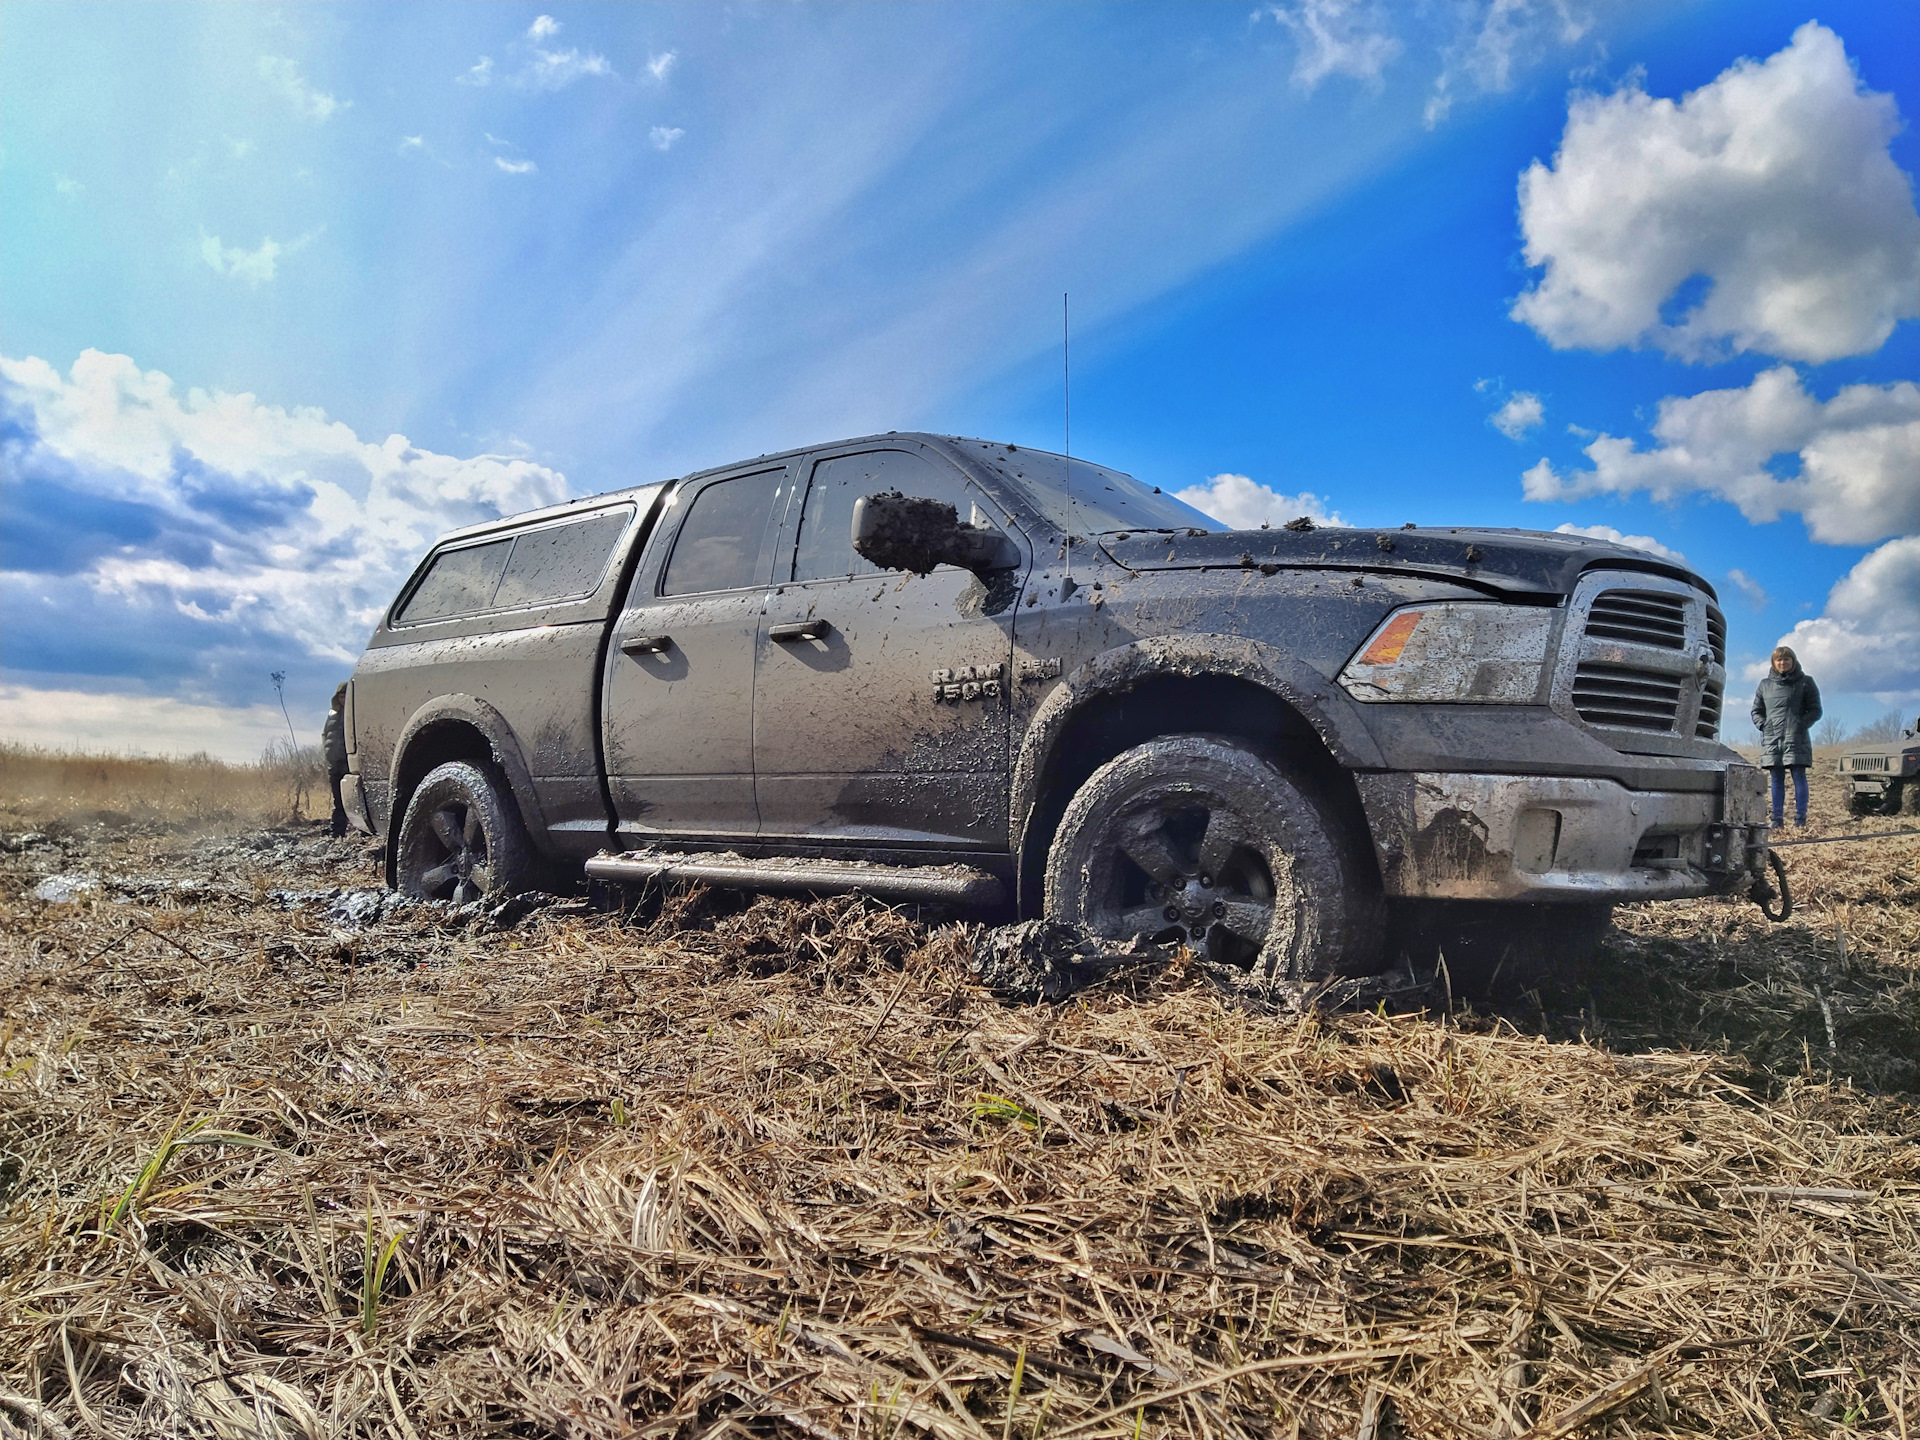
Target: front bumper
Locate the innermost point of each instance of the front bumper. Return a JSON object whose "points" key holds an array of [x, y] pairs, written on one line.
{"points": [[1454, 836]]}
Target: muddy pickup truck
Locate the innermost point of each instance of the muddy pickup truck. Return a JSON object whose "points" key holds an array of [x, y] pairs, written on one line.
{"points": [[954, 671]]}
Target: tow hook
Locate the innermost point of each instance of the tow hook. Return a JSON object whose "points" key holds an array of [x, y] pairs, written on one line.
{"points": [[1763, 894]]}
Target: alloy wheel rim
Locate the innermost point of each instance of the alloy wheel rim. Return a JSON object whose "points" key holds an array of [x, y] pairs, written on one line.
{"points": [[460, 872], [1187, 867]]}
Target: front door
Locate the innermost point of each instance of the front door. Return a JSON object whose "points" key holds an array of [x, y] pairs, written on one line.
{"points": [[880, 698], [679, 688]]}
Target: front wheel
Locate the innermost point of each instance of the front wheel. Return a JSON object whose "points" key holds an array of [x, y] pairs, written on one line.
{"points": [[1203, 839], [461, 837]]}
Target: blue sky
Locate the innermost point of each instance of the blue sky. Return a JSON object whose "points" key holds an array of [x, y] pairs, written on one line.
{"points": [[287, 290]]}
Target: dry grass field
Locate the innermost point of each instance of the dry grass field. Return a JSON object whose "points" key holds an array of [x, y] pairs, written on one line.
{"points": [[42, 784], [280, 1159]]}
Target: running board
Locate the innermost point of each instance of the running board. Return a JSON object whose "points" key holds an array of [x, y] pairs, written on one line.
{"points": [[946, 884]]}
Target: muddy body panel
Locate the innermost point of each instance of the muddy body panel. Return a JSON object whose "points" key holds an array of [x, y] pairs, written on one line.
{"points": [[880, 712]]}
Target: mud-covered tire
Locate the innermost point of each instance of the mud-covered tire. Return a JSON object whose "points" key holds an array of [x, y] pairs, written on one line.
{"points": [[1203, 838], [1910, 797], [462, 837], [1495, 949], [1861, 805]]}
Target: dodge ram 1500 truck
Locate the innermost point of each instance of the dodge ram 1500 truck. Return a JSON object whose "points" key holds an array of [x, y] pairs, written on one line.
{"points": [[941, 669]]}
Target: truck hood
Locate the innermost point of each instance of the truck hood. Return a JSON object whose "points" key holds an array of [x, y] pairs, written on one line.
{"points": [[1524, 562], [1892, 749]]}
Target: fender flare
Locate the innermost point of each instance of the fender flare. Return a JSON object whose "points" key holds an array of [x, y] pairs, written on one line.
{"points": [[476, 713], [1319, 701]]}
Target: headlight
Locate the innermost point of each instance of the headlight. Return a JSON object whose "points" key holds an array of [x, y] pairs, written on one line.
{"points": [[1461, 650]]}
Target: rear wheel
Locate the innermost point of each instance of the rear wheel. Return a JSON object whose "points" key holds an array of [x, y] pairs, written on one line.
{"points": [[461, 837], [1203, 839]]}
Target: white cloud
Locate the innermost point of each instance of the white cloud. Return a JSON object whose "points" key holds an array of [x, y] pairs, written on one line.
{"points": [[1616, 537], [556, 69], [1520, 414], [480, 73], [181, 528], [137, 724], [1241, 503], [544, 27], [67, 185], [1336, 37], [255, 267], [411, 142], [284, 76], [1763, 207], [660, 66], [1748, 586], [1859, 454], [663, 136], [1869, 638], [515, 167], [1504, 37]]}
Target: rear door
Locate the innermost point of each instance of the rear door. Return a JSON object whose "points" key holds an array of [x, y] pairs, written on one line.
{"points": [[881, 699], [679, 682]]}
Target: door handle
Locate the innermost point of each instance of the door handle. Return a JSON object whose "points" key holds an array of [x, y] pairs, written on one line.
{"points": [[815, 629], [647, 644]]}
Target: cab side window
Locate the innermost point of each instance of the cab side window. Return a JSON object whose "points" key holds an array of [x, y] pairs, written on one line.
{"points": [[718, 547], [825, 543], [459, 582]]}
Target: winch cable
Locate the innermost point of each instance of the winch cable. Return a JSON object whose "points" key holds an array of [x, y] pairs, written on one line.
{"points": [[1836, 839]]}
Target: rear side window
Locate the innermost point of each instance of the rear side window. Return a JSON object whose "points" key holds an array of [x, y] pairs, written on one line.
{"points": [[718, 547], [562, 562], [460, 582], [537, 567]]}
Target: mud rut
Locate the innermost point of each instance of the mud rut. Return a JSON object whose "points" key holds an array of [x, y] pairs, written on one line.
{"points": [[279, 1157]]}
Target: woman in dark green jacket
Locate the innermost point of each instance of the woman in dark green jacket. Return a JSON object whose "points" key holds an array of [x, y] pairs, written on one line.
{"points": [[1785, 708]]}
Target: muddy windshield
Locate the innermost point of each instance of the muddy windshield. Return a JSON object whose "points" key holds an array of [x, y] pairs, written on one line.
{"points": [[1100, 501]]}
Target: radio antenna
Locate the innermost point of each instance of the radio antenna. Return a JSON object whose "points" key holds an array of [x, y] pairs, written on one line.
{"points": [[1066, 401]]}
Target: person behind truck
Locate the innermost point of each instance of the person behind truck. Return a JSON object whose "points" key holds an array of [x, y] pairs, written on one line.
{"points": [[1785, 708], [333, 741]]}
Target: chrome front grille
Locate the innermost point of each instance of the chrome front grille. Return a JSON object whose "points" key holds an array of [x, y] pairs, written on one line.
{"points": [[1707, 727], [1644, 617], [1712, 694], [1644, 658], [1625, 697]]}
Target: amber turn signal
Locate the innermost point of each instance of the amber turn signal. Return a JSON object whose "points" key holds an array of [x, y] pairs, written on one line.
{"points": [[1388, 644]]}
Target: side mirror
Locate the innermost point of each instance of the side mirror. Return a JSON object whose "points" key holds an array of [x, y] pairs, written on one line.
{"points": [[899, 532]]}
